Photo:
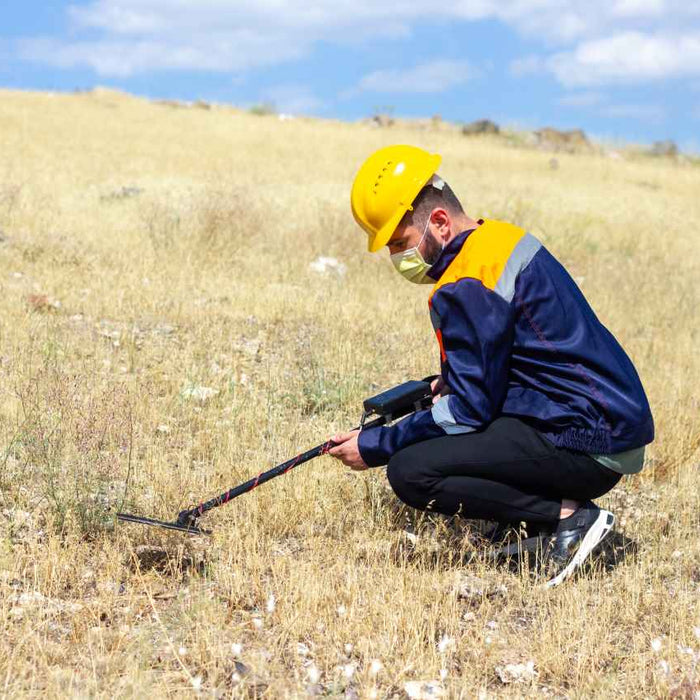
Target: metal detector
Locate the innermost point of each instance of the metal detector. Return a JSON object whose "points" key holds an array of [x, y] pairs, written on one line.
{"points": [[394, 403]]}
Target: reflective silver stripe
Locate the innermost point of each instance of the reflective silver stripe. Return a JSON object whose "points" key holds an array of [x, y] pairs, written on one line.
{"points": [[442, 415], [434, 318], [519, 259]]}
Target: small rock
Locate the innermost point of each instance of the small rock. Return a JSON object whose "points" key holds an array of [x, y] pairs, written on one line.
{"points": [[445, 644], [43, 303], [516, 673], [570, 141], [122, 193], [241, 668], [375, 667], [481, 126], [380, 120], [665, 148], [323, 265], [202, 394], [411, 537], [424, 690], [470, 587], [164, 329]]}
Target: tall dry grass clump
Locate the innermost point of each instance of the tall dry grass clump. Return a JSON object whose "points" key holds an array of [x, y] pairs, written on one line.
{"points": [[163, 336]]}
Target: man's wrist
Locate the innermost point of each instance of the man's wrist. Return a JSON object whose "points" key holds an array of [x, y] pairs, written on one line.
{"points": [[368, 445]]}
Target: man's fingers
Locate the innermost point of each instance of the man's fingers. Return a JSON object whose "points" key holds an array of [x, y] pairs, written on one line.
{"points": [[342, 437]]}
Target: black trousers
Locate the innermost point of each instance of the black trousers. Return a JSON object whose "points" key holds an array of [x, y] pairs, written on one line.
{"points": [[507, 472]]}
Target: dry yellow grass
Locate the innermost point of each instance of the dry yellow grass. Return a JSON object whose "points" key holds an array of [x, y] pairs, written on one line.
{"points": [[113, 302]]}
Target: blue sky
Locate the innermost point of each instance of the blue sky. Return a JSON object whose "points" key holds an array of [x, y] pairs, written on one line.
{"points": [[621, 69]]}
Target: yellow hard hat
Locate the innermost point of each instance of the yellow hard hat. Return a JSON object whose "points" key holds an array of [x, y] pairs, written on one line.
{"points": [[385, 187]]}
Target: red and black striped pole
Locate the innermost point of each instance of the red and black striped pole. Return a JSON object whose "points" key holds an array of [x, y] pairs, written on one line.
{"points": [[187, 519], [190, 516]]}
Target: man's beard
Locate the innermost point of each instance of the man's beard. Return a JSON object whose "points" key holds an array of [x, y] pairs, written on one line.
{"points": [[432, 248]]}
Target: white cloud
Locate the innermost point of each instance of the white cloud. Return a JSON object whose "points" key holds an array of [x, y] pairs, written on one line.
{"points": [[435, 76], [652, 113], [218, 53], [581, 99], [526, 65], [638, 8], [597, 42], [127, 37], [628, 57]]}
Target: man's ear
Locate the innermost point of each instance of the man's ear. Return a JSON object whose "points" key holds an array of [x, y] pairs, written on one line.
{"points": [[442, 223]]}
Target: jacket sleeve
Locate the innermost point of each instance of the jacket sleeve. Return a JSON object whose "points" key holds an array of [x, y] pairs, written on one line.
{"points": [[475, 330]]}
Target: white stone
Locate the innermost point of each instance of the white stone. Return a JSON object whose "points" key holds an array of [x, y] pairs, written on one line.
{"points": [[323, 266], [516, 673], [424, 690], [445, 644], [202, 394]]}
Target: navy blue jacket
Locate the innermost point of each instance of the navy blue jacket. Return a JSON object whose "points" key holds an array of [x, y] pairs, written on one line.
{"points": [[518, 338]]}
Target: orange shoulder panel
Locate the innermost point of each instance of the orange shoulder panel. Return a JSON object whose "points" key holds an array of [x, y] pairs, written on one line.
{"points": [[484, 254]]}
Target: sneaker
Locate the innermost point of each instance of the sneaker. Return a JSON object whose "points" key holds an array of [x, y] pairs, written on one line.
{"points": [[512, 539], [575, 538]]}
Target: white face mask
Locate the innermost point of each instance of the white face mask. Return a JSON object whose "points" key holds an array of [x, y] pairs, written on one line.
{"points": [[411, 264]]}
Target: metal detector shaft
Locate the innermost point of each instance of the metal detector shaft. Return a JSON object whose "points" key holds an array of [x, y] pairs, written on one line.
{"points": [[190, 516]]}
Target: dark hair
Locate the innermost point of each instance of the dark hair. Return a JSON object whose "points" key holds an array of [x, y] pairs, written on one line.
{"points": [[431, 197]]}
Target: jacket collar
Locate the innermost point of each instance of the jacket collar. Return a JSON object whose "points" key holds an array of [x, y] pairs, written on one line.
{"points": [[449, 254]]}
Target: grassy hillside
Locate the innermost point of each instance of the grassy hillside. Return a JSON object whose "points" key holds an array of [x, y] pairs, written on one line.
{"points": [[162, 336]]}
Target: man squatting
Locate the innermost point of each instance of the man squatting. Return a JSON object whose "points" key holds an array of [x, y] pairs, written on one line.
{"points": [[537, 409]]}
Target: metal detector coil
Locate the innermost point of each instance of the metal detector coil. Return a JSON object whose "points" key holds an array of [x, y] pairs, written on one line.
{"points": [[189, 528]]}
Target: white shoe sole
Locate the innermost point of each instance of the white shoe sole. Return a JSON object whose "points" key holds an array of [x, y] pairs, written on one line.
{"points": [[598, 532]]}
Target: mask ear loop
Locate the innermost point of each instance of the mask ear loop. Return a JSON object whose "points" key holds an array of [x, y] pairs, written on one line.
{"points": [[425, 231]]}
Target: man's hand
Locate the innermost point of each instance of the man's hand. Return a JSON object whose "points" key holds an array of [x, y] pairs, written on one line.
{"points": [[347, 451], [439, 388]]}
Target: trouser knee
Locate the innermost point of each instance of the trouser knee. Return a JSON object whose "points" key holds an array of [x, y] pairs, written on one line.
{"points": [[405, 482]]}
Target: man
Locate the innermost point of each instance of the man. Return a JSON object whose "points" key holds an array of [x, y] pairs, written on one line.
{"points": [[538, 410]]}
